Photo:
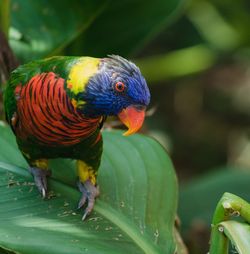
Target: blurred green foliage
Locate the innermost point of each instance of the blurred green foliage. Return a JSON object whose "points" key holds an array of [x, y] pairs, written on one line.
{"points": [[203, 116], [199, 197], [85, 27]]}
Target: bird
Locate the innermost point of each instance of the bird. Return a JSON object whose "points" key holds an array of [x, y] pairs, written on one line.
{"points": [[56, 108]]}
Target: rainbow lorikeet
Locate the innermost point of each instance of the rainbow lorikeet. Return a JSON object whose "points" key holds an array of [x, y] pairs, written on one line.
{"points": [[56, 108]]}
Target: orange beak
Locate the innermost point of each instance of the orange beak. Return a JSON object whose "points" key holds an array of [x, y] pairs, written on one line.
{"points": [[133, 118]]}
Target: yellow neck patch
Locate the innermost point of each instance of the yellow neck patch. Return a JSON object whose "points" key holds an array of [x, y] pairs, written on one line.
{"points": [[81, 72]]}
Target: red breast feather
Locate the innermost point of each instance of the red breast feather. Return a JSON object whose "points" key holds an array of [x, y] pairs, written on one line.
{"points": [[46, 115]]}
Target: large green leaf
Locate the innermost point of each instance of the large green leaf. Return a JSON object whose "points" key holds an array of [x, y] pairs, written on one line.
{"points": [[40, 27], [135, 212], [126, 26]]}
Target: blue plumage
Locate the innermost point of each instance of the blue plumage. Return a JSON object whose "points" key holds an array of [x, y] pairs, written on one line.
{"points": [[101, 96]]}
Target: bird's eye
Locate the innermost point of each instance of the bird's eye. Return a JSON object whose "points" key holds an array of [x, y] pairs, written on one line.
{"points": [[119, 87]]}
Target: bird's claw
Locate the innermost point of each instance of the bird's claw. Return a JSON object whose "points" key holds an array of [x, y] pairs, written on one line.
{"points": [[40, 178], [89, 193]]}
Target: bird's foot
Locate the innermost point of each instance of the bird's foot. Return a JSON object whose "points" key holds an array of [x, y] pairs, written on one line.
{"points": [[40, 178], [89, 193]]}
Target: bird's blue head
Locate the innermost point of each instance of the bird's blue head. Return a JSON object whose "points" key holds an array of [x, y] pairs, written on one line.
{"points": [[118, 88]]}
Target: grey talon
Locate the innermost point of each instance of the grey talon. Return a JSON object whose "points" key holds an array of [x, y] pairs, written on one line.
{"points": [[89, 193], [40, 179], [82, 201], [84, 216], [43, 193]]}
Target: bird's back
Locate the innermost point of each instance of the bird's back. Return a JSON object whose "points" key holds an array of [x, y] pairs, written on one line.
{"points": [[38, 107], [24, 73]]}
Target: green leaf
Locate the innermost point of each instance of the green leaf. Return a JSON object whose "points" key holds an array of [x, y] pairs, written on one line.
{"points": [[239, 235], [41, 27], [126, 26], [135, 212]]}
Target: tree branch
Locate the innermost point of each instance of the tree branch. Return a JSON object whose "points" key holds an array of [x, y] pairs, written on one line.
{"points": [[8, 61]]}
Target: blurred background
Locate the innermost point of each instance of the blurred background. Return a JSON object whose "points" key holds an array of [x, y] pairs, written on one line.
{"points": [[195, 56]]}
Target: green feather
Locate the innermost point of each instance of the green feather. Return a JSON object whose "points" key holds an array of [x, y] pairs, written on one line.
{"points": [[60, 65]]}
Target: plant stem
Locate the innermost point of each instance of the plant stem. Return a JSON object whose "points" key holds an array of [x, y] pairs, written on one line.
{"points": [[231, 205], [219, 243], [228, 206], [5, 16]]}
